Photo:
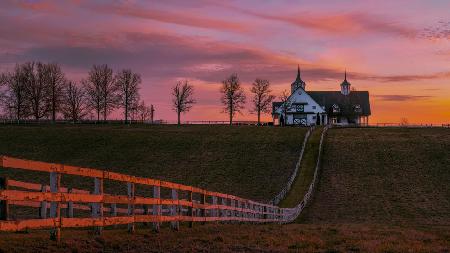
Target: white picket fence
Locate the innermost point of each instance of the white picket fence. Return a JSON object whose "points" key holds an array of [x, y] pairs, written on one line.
{"points": [[291, 214], [282, 194]]}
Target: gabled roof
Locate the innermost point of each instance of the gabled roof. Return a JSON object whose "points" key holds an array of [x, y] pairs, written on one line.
{"points": [[329, 98]]}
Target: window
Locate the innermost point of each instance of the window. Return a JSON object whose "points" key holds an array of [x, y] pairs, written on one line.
{"points": [[314, 107], [299, 108], [336, 108]]}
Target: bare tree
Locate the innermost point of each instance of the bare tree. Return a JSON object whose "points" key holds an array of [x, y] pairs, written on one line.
{"points": [[286, 105], [56, 83], [143, 111], [14, 97], [101, 90], [74, 106], [262, 99], [404, 122], [233, 96], [152, 113], [36, 89], [128, 90], [182, 100]]}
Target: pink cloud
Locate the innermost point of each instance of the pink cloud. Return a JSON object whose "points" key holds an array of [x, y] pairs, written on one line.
{"points": [[173, 17]]}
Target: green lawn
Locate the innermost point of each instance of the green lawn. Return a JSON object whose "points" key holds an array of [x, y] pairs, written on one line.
{"points": [[384, 176], [248, 161], [306, 171]]}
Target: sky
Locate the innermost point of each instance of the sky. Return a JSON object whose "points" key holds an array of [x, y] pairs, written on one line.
{"points": [[397, 50]]}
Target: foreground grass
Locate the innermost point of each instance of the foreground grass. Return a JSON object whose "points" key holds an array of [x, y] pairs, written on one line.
{"points": [[306, 171], [240, 238], [384, 176], [243, 160]]}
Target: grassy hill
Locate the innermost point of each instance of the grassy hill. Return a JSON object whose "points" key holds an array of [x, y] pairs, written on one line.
{"points": [[242, 160], [380, 190], [384, 176]]}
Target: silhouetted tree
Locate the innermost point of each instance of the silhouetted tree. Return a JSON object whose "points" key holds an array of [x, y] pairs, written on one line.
{"points": [[286, 105], [74, 105], [14, 97], [101, 90], [262, 99], [143, 111], [233, 96], [56, 82], [182, 100], [128, 90], [36, 88]]}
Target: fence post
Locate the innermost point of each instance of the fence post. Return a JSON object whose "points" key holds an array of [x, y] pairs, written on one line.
{"points": [[191, 208], [224, 211], [69, 205], [43, 209], [174, 212], [215, 210], [130, 190], [55, 207], [233, 211], [239, 212], [145, 207], [97, 208], [157, 208], [203, 202], [4, 206]]}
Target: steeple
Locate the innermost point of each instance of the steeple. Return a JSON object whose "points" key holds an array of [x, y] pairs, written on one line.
{"points": [[345, 85], [298, 83]]}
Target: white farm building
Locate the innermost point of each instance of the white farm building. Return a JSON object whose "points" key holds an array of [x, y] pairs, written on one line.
{"points": [[307, 108]]}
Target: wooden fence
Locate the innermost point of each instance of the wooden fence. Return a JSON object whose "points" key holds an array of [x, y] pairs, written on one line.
{"points": [[291, 214], [284, 191], [197, 205]]}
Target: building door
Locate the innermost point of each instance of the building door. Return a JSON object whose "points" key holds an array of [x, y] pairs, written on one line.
{"points": [[300, 119]]}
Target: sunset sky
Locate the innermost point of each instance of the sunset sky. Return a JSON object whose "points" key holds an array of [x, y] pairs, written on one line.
{"points": [[397, 50]]}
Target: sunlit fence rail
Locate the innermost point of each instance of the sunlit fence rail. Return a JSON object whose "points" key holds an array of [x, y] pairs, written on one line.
{"points": [[60, 207]]}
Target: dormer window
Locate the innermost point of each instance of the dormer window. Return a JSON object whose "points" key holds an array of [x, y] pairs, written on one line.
{"points": [[357, 108], [335, 108]]}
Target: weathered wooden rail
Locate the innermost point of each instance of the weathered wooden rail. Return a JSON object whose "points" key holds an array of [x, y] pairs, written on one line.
{"points": [[198, 205]]}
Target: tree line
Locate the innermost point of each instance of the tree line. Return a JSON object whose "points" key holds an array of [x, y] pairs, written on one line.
{"points": [[37, 90], [233, 97]]}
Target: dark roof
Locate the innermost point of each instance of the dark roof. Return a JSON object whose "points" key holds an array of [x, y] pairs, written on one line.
{"points": [[329, 98]]}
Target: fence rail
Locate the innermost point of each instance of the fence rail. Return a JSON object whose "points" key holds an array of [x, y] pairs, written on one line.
{"points": [[197, 205], [282, 194], [291, 214]]}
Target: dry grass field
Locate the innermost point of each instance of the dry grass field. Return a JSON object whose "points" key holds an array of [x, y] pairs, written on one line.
{"points": [[240, 238], [384, 176], [380, 190], [242, 160]]}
